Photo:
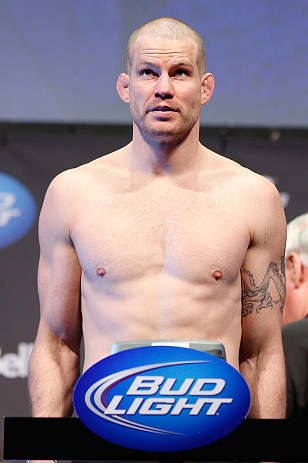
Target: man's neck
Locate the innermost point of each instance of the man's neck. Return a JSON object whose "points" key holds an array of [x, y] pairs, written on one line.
{"points": [[165, 156]]}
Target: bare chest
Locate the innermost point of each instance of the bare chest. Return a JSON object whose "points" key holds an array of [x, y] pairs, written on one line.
{"points": [[189, 234]]}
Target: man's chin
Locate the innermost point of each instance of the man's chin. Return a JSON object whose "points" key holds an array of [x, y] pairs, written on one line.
{"points": [[162, 136], [163, 130]]}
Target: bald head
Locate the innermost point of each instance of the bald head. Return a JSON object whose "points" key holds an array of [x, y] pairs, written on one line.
{"points": [[171, 29]]}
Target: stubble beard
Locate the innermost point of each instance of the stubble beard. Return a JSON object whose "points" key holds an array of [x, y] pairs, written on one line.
{"points": [[158, 130]]}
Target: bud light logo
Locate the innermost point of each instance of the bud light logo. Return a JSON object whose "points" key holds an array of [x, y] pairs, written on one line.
{"points": [[17, 210], [161, 398]]}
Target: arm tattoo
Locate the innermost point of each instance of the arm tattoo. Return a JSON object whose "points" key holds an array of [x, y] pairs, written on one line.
{"points": [[258, 297]]}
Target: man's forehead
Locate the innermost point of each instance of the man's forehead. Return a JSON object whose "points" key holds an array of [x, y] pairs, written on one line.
{"points": [[147, 46]]}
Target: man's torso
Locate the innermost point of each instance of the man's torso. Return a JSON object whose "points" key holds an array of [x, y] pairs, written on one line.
{"points": [[160, 258]]}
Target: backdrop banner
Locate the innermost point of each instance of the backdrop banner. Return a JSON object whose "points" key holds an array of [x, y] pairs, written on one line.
{"points": [[33, 154]]}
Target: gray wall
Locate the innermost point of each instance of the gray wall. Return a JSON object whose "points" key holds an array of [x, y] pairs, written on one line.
{"points": [[60, 60]]}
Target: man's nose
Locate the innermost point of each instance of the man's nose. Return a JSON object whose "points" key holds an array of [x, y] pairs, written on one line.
{"points": [[164, 87]]}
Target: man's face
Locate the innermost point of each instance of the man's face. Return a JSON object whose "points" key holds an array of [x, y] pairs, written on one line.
{"points": [[165, 88]]}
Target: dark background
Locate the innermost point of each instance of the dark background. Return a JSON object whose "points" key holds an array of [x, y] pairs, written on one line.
{"points": [[59, 62], [35, 153]]}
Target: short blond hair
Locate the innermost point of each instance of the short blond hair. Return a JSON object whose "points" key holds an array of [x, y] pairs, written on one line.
{"points": [[172, 29]]}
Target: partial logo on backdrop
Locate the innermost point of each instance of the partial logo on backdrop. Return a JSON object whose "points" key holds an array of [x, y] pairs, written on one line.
{"points": [[161, 398], [16, 365], [18, 210]]}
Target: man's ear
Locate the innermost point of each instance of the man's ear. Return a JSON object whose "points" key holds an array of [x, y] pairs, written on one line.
{"points": [[123, 87], [208, 84], [294, 269]]}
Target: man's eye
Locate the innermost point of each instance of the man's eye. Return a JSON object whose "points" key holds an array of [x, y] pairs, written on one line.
{"points": [[146, 72], [181, 72]]}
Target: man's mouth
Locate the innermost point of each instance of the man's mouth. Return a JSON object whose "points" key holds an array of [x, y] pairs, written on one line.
{"points": [[163, 109], [162, 112]]}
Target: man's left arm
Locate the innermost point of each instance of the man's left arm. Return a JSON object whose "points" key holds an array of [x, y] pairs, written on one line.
{"points": [[263, 293]]}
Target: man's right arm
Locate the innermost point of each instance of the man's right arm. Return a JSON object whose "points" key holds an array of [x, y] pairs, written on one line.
{"points": [[54, 363]]}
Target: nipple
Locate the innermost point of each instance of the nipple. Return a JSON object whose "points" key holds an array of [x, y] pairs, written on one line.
{"points": [[100, 272], [217, 274]]}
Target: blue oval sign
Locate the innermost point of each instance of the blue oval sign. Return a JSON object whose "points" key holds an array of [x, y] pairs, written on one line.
{"points": [[161, 398], [17, 210]]}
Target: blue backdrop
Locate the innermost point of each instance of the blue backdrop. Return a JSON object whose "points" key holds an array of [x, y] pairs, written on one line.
{"points": [[59, 60]]}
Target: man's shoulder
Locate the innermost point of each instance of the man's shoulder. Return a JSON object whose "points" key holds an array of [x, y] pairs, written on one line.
{"points": [[242, 177], [85, 174], [295, 339], [299, 327]]}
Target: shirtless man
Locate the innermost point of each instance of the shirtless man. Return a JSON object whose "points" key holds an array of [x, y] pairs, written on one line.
{"points": [[163, 239]]}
